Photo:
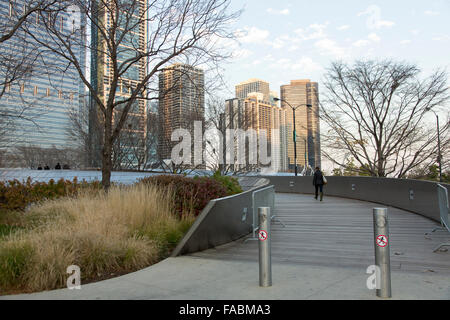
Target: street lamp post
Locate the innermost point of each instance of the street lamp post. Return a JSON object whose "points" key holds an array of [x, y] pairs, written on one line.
{"points": [[295, 132], [439, 144]]}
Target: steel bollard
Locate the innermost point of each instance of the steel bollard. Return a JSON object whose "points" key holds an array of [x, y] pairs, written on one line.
{"points": [[382, 251], [265, 263]]}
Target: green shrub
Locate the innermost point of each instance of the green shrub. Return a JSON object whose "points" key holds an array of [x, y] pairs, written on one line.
{"points": [[15, 195], [191, 195], [230, 183]]}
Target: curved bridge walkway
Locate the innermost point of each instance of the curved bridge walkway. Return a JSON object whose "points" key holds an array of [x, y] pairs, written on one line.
{"points": [[339, 232], [322, 253]]}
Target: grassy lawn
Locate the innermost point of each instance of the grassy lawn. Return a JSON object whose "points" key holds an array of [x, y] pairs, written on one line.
{"points": [[125, 230]]}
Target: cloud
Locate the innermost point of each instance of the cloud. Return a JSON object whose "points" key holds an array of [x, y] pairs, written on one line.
{"points": [[329, 47], [242, 53], [441, 37], [344, 27], [283, 12], [371, 38], [405, 42], [306, 65], [374, 20], [374, 37], [303, 64], [361, 43], [431, 13], [313, 32], [252, 35]]}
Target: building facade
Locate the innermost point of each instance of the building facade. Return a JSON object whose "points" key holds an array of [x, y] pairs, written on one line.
{"points": [[181, 103], [47, 96], [252, 86], [298, 94], [258, 115]]}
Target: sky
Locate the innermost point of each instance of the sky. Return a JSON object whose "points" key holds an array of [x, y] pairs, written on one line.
{"points": [[285, 40]]}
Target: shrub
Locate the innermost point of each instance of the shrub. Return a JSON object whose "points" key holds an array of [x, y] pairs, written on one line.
{"points": [[230, 183], [191, 195], [15, 195]]}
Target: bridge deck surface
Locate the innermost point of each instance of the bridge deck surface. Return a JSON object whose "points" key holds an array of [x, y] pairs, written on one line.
{"points": [[339, 232]]}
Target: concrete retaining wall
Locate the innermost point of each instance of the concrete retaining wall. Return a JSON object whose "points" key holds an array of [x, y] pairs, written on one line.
{"points": [[417, 196], [220, 222]]}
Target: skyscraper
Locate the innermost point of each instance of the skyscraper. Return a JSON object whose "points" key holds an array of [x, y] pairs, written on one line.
{"points": [[181, 103], [252, 86], [102, 75], [258, 115], [47, 95], [299, 93]]}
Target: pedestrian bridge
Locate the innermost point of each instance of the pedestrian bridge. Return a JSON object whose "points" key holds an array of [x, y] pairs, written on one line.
{"points": [[339, 232]]}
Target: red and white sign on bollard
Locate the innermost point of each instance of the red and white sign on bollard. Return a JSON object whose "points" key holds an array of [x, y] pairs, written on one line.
{"points": [[382, 252], [265, 263]]}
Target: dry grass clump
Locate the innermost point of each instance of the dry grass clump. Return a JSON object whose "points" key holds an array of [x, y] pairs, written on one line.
{"points": [[120, 231]]}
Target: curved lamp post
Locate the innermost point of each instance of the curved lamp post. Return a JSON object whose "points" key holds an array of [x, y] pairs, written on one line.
{"points": [[295, 133]]}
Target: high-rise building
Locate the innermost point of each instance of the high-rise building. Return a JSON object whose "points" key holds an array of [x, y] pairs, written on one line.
{"points": [[45, 97], [254, 113], [252, 86], [102, 74], [298, 94], [181, 103]]}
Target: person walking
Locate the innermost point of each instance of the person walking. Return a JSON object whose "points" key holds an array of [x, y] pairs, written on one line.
{"points": [[318, 182]]}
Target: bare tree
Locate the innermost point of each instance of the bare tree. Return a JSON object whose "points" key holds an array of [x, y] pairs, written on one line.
{"points": [[376, 112], [178, 30]]}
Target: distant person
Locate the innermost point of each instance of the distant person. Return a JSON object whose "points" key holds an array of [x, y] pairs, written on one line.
{"points": [[58, 166], [66, 167], [318, 182], [47, 168], [40, 167]]}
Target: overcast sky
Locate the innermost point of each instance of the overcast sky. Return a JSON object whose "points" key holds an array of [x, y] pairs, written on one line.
{"points": [[296, 39]]}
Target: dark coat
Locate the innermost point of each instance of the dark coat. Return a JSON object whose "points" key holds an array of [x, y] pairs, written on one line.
{"points": [[318, 178]]}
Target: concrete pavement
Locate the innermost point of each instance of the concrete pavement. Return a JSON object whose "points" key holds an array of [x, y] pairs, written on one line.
{"points": [[192, 278]]}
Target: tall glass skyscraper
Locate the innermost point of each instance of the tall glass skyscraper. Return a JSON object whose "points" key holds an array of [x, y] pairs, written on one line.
{"points": [[50, 92]]}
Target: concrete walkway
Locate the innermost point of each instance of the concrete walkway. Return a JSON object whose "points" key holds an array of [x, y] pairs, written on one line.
{"points": [[310, 261]]}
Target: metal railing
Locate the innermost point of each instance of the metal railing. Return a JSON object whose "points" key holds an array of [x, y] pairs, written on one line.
{"points": [[264, 197], [444, 214]]}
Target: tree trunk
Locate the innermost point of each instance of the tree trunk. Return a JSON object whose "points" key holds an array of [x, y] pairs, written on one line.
{"points": [[107, 152]]}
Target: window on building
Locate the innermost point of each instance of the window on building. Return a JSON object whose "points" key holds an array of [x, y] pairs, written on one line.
{"points": [[22, 88], [48, 92], [60, 95], [11, 9], [35, 92]]}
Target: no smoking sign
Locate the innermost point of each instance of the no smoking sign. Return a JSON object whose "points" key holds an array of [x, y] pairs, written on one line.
{"points": [[382, 241], [262, 234]]}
